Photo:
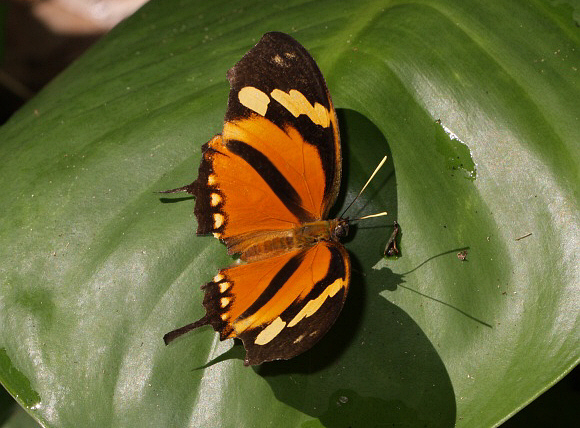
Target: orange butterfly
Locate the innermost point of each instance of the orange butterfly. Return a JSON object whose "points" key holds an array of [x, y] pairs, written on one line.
{"points": [[264, 188]]}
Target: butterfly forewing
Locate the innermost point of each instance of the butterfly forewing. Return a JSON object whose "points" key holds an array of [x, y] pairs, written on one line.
{"points": [[279, 80]]}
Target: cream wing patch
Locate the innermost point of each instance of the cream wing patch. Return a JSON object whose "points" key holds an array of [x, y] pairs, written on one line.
{"points": [[270, 332], [254, 99], [296, 103], [218, 220], [312, 306], [293, 101], [224, 286], [215, 199], [277, 59]]}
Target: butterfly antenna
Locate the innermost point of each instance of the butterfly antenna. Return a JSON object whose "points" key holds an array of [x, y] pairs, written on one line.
{"points": [[370, 216], [381, 163]]}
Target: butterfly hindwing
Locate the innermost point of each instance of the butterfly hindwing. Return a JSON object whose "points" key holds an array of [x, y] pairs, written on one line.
{"points": [[281, 306]]}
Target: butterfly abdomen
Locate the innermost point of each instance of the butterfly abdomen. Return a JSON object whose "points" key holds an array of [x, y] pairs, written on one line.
{"points": [[275, 245]]}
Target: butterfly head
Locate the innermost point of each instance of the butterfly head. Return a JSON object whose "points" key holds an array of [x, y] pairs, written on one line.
{"points": [[340, 229]]}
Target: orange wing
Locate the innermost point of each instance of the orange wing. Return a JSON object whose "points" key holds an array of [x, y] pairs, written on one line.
{"points": [[257, 177], [280, 306]]}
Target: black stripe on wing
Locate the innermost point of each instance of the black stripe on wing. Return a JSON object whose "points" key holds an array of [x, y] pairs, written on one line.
{"points": [[278, 61], [273, 177], [281, 277], [337, 268]]}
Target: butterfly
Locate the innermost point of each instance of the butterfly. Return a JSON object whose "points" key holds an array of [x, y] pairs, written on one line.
{"points": [[264, 188]]}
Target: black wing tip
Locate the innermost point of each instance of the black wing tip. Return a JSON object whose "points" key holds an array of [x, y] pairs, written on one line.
{"points": [[278, 35]]}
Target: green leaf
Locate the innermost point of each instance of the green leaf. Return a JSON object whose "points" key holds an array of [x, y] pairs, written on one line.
{"points": [[476, 105], [12, 415]]}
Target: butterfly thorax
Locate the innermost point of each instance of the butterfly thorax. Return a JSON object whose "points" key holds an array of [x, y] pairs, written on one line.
{"points": [[271, 243], [323, 230]]}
